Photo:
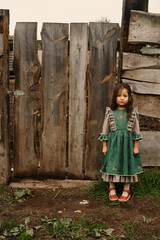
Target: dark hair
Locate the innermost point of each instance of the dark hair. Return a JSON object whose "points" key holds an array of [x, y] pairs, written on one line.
{"points": [[129, 106]]}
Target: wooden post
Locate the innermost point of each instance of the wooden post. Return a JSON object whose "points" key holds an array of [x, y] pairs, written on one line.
{"points": [[4, 83], [77, 98], [26, 69], [128, 5], [54, 99], [101, 81]]}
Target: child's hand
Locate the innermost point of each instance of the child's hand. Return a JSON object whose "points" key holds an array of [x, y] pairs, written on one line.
{"points": [[135, 150], [104, 150]]}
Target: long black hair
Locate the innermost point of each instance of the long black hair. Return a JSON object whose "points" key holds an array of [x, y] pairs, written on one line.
{"points": [[129, 106]]}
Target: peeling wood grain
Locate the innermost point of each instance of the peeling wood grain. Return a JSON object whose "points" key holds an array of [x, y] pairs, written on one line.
{"points": [[144, 28], [27, 70], [102, 63], [77, 98], [54, 88]]}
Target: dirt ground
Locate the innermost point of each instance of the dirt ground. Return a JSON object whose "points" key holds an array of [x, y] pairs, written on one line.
{"points": [[143, 212]]}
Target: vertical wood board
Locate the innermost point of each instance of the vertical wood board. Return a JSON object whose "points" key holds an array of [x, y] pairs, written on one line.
{"points": [[26, 69], [77, 98], [4, 78], [101, 78], [54, 96]]}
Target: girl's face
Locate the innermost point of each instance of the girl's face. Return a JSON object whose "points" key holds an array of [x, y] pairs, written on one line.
{"points": [[122, 98]]}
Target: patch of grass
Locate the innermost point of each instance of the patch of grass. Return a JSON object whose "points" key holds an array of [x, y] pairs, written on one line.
{"points": [[149, 184], [82, 229], [130, 230], [99, 190], [6, 194]]}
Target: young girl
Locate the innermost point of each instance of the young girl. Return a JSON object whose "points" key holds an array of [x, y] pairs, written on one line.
{"points": [[120, 136]]}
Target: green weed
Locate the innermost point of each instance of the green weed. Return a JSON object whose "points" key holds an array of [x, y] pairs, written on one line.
{"points": [[66, 228], [13, 229], [9, 196]]}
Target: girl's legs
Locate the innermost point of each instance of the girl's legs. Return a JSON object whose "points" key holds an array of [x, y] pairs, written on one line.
{"points": [[126, 187], [112, 192], [112, 185]]}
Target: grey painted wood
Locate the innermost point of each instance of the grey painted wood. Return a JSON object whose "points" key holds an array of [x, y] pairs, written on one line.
{"points": [[54, 99], [143, 87], [144, 27], [4, 79], [147, 104], [101, 80], [150, 51], [26, 69], [144, 75], [77, 98], [133, 61], [149, 148]]}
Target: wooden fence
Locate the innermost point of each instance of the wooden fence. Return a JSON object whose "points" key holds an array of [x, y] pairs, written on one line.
{"points": [[66, 96]]}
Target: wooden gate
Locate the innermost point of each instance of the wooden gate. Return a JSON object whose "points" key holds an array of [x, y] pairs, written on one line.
{"points": [[59, 106]]}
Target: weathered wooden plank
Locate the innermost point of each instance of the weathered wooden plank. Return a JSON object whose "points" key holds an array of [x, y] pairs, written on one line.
{"points": [[147, 104], [26, 69], [150, 51], [77, 98], [144, 28], [149, 148], [144, 75], [4, 79], [54, 95], [133, 61], [101, 80], [143, 87], [141, 5]]}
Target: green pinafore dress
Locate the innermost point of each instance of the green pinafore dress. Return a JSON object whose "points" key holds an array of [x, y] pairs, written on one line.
{"points": [[120, 164]]}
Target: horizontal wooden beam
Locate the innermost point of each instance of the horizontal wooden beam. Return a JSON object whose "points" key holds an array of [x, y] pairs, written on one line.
{"points": [[143, 87], [144, 28], [144, 75], [133, 61]]}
